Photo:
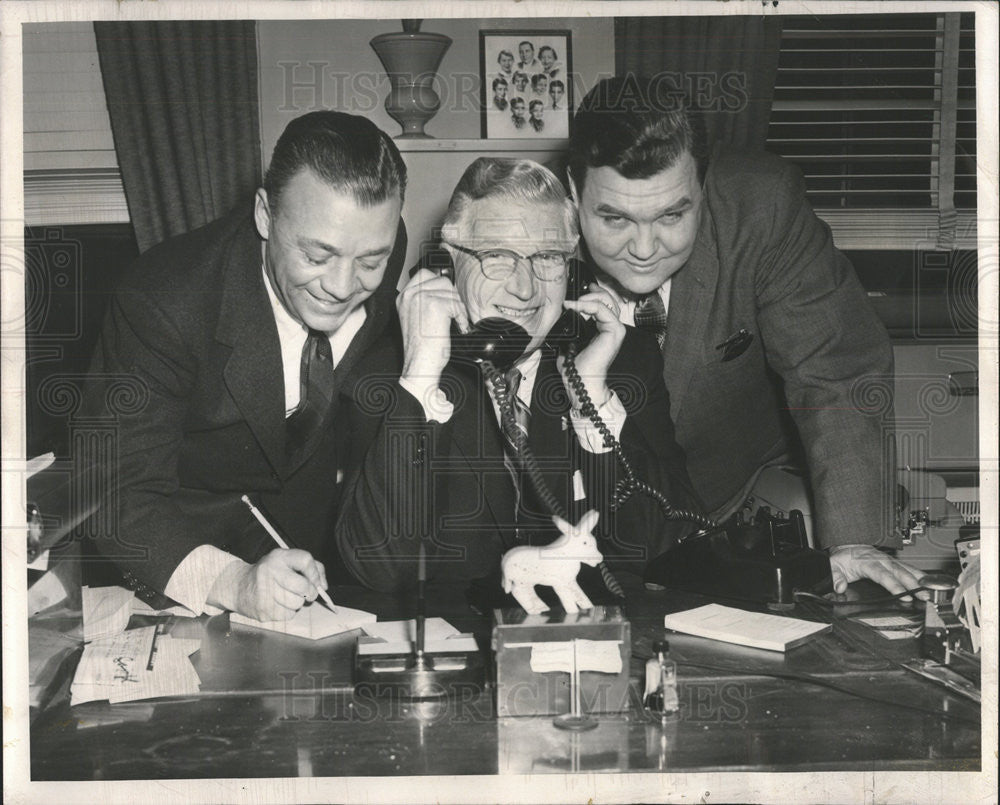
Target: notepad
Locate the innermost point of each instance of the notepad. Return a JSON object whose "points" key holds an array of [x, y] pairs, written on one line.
{"points": [[314, 621], [753, 629]]}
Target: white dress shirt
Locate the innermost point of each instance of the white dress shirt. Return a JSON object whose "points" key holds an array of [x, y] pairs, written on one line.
{"points": [[192, 579], [437, 408]]}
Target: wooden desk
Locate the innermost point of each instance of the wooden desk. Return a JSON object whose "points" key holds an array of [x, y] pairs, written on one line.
{"points": [[273, 706]]}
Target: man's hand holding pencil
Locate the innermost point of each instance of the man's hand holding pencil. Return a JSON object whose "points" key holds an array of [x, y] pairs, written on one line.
{"points": [[274, 588]]}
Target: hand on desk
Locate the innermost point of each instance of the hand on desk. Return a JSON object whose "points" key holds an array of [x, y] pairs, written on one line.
{"points": [[273, 589], [852, 562]]}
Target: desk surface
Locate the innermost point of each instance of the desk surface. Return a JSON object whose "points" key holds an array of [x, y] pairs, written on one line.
{"points": [[276, 706]]}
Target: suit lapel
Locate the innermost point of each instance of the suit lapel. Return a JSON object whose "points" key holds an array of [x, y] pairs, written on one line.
{"points": [[253, 371], [547, 434], [691, 292]]}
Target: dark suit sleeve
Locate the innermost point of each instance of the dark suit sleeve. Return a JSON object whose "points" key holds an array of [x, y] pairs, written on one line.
{"points": [[388, 502], [639, 531], [139, 391], [823, 337]]}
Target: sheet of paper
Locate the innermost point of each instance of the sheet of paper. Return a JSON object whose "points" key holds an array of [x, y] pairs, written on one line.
{"points": [[459, 642], [753, 629], [602, 656], [402, 631], [41, 562], [169, 673], [136, 664], [314, 621], [44, 593], [106, 611], [111, 663]]}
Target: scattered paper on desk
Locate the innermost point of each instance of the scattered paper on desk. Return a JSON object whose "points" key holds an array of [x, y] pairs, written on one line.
{"points": [[457, 642], [136, 664], [44, 593], [403, 631], [603, 656], [40, 562], [314, 621], [753, 629], [106, 611]]}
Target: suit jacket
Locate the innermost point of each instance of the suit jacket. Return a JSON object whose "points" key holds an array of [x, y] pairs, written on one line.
{"points": [[819, 361], [448, 483], [191, 332]]}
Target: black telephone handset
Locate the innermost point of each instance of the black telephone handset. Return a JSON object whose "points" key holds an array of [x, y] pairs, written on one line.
{"points": [[501, 341]]}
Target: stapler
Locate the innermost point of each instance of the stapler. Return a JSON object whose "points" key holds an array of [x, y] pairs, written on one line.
{"points": [[763, 560]]}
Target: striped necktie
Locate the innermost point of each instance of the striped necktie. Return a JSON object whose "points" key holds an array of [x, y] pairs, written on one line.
{"points": [[315, 393], [522, 414], [651, 315]]}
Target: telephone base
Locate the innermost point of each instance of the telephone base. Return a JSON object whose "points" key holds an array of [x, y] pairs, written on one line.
{"points": [[750, 562]]}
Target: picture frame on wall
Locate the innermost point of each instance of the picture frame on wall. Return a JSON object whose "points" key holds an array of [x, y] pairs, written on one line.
{"points": [[526, 90]]}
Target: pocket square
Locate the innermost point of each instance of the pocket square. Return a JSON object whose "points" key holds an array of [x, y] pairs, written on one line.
{"points": [[736, 344]]}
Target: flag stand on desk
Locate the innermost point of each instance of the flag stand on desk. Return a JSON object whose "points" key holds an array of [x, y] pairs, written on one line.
{"points": [[575, 719]]}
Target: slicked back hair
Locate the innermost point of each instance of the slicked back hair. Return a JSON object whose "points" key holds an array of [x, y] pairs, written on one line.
{"points": [[637, 126], [348, 152], [516, 180]]}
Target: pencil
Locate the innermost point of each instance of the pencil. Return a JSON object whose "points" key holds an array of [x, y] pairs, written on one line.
{"points": [[270, 529]]}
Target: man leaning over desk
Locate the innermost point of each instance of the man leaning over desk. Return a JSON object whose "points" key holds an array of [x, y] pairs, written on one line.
{"points": [[441, 466], [765, 329], [242, 334]]}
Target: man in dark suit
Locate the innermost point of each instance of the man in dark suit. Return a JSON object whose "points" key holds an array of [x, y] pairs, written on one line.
{"points": [[239, 337], [443, 467], [764, 326]]}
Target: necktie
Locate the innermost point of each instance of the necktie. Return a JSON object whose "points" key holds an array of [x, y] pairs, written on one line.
{"points": [[315, 390], [522, 414], [651, 315]]}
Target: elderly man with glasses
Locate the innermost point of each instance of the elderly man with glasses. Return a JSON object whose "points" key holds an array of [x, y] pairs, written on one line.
{"points": [[445, 468]]}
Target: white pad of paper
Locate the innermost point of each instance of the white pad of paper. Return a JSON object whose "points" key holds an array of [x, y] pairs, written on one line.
{"points": [[753, 629], [314, 621]]}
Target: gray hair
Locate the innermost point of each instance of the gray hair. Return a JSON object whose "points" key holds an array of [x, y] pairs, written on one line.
{"points": [[515, 180]]}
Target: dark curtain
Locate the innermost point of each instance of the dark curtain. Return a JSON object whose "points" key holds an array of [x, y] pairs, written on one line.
{"points": [[182, 97], [726, 65]]}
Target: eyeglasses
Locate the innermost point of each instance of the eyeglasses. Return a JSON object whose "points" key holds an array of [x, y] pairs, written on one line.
{"points": [[499, 264]]}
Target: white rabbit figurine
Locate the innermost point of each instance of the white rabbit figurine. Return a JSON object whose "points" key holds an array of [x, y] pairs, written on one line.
{"points": [[555, 565]]}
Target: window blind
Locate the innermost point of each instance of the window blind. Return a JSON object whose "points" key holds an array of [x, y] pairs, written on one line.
{"points": [[879, 113], [71, 172]]}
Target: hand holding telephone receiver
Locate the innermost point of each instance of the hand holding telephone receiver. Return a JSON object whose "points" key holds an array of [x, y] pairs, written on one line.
{"points": [[502, 341]]}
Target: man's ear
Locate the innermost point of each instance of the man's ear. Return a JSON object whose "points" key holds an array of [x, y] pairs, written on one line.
{"points": [[262, 213]]}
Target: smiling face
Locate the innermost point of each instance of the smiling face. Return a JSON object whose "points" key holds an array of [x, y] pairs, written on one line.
{"points": [[506, 62], [527, 51], [517, 107], [546, 57], [524, 228], [641, 231], [325, 254], [520, 81]]}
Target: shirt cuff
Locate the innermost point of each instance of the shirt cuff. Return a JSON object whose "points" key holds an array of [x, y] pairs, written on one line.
{"points": [[436, 405], [192, 580], [612, 413]]}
